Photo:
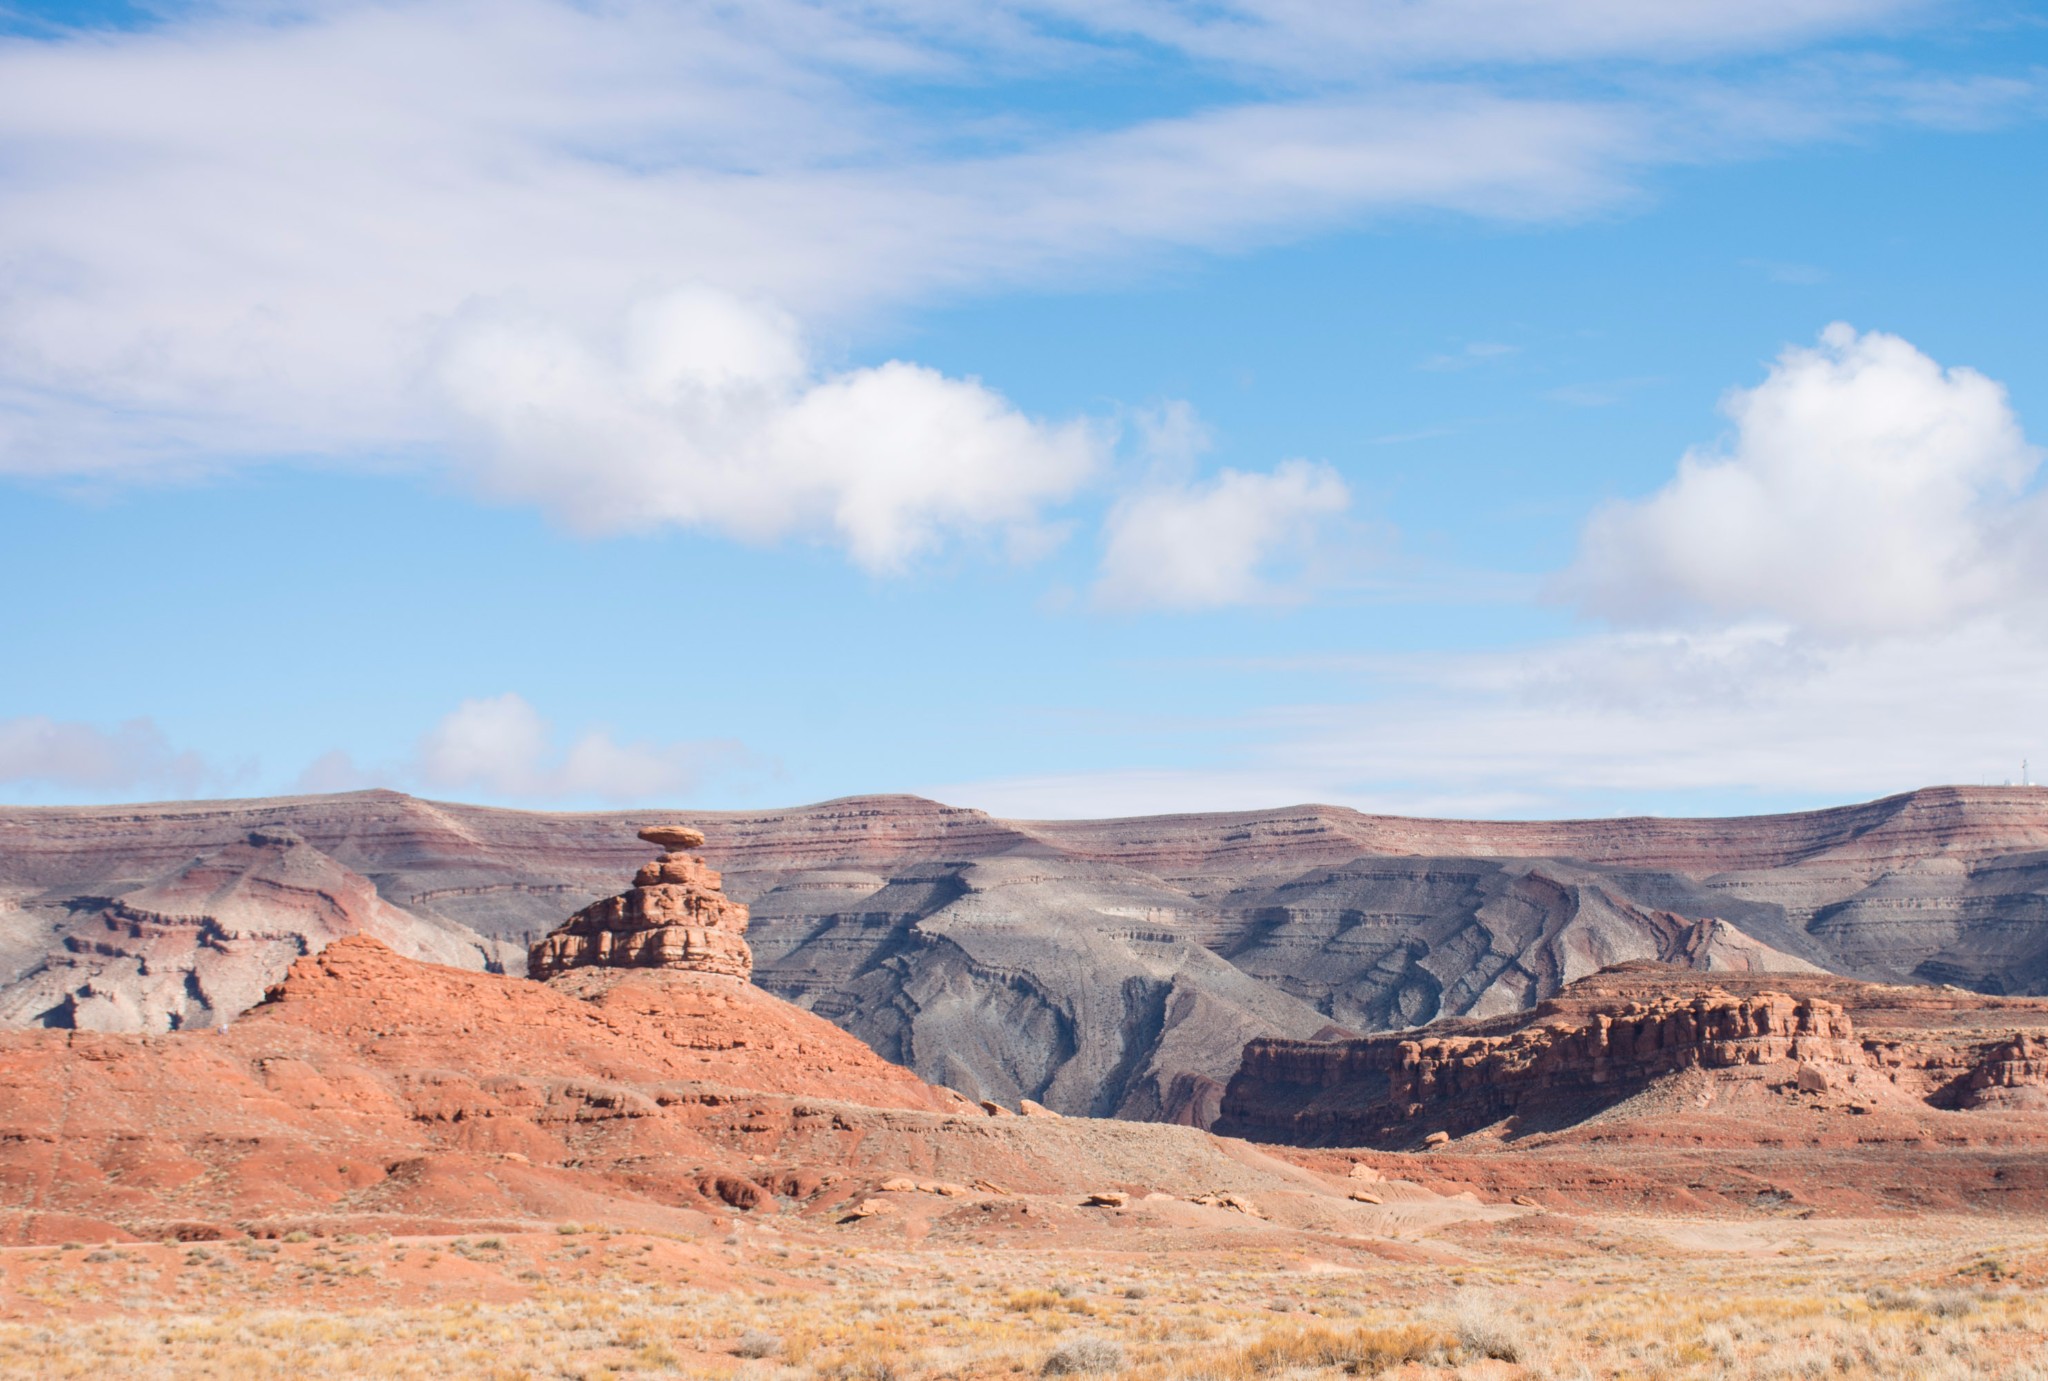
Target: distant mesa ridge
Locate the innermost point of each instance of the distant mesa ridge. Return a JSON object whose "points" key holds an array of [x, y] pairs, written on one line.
{"points": [[1617, 1036], [1099, 967]]}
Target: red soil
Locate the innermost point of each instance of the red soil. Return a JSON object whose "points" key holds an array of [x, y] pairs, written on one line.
{"points": [[370, 1086]]}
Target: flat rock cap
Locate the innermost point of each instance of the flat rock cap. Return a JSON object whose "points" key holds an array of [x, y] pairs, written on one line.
{"points": [[673, 836]]}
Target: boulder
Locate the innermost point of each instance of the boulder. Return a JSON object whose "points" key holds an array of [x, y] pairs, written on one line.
{"points": [[674, 837], [1237, 1203]]}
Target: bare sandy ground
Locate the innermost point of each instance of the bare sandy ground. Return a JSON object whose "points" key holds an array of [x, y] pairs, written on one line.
{"points": [[934, 1287]]}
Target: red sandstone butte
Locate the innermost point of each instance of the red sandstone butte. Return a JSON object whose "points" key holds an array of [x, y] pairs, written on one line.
{"points": [[675, 916]]}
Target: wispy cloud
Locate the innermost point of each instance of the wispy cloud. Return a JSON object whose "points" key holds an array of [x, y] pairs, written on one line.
{"points": [[1700, 723], [1604, 393], [1328, 40], [1404, 438], [1782, 271], [1465, 357], [379, 234], [499, 747], [39, 752]]}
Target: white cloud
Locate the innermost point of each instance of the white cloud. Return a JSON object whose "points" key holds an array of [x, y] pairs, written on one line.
{"points": [[1842, 602], [1292, 37], [502, 747], [1171, 437], [496, 743], [1218, 542], [336, 770], [1675, 723], [36, 751], [243, 234], [231, 238], [707, 414], [1867, 491]]}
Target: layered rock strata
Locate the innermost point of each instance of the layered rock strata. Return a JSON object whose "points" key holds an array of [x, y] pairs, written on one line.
{"points": [[198, 946], [2011, 1074], [675, 916], [1620, 1033], [1107, 967], [373, 1091]]}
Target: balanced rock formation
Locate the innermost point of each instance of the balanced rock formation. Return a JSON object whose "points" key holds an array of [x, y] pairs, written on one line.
{"points": [[675, 916]]}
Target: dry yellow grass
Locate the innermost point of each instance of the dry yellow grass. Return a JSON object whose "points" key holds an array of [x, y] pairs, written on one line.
{"points": [[1356, 1351], [1899, 1301]]}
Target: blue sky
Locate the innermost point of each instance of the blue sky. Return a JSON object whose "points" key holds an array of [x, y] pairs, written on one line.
{"points": [[1497, 407]]}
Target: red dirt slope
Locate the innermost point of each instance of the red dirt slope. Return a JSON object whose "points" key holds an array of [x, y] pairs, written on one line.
{"points": [[371, 1085]]}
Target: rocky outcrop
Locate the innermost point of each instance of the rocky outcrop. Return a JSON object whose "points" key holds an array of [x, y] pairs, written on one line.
{"points": [[1117, 967], [1620, 1033], [2012, 1073], [1397, 1089], [675, 916], [199, 946], [373, 1093]]}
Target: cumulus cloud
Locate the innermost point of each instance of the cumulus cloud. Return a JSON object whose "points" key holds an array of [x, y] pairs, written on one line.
{"points": [[1232, 539], [1841, 601], [501, 746], [706, 413], [1866, 491], [36, 751]]}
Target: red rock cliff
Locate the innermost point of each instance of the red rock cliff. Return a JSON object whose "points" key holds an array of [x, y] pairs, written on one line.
{"points": [[1616, 1034]]}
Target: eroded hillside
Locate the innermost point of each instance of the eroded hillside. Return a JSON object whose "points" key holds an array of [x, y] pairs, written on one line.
{"points": [[1105, 967]]}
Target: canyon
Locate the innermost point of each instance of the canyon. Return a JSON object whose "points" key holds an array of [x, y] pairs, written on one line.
{"points": [[1100, 968]]}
